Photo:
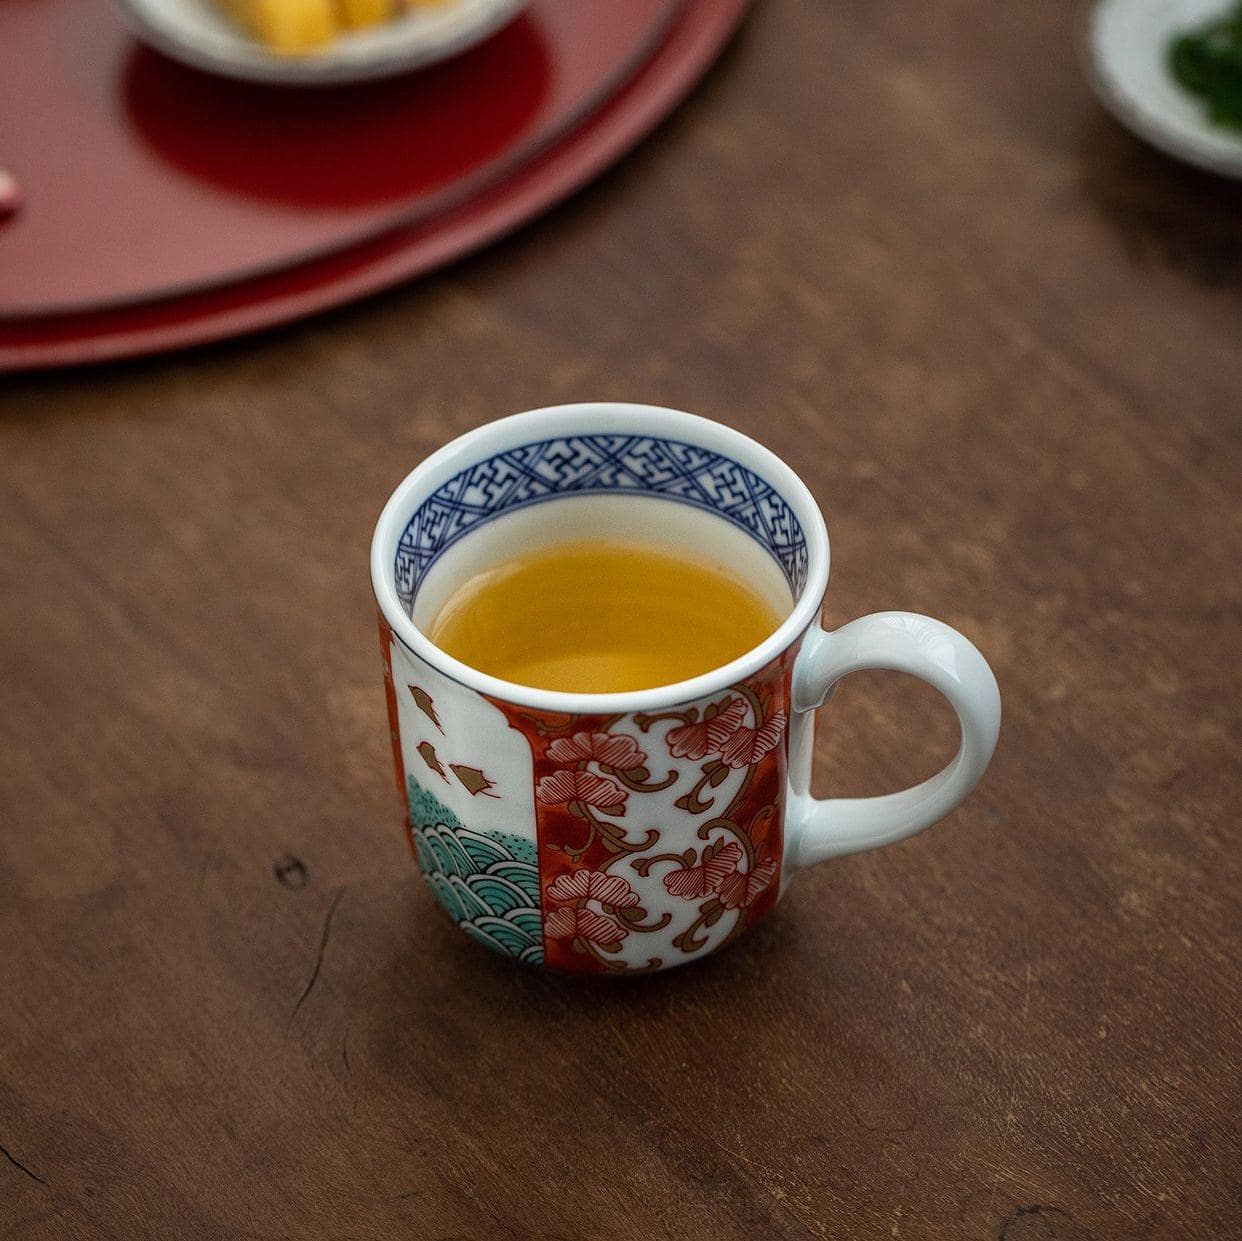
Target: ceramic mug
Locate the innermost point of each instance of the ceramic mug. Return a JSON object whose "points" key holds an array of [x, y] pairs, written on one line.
{"points": [[635, 831]]}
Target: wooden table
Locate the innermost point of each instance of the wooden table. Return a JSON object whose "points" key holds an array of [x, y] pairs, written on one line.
{"points": [[1001, 341]]}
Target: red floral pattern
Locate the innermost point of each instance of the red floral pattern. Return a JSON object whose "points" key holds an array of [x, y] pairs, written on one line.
{"points": [[599, 797], [739, 891], [562, 788], [613, 750], [692, 883], [748, 745], [593, 885], [567, 922], [696, 741], [722, 733]]}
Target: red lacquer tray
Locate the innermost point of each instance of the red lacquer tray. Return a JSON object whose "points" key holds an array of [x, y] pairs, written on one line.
{"points": [[688, 47], [146, 179]]}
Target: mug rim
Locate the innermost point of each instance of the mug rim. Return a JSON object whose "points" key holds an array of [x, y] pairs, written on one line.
{"points": [[597, 418]]}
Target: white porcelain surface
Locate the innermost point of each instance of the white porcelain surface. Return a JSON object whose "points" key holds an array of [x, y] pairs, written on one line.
{"points": [[465, 730], [1126, 45], [200, 33], [639, 830], [931, 651]]}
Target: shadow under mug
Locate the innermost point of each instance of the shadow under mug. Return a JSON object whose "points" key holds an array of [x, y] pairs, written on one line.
{"points": [[635, 831]]}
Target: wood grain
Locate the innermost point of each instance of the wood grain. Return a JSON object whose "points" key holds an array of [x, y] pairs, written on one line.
{"points": [[1001, 341]]}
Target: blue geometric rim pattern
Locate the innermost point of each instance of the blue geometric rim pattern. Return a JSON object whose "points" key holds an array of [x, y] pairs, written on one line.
{"points": [[600, 464]]}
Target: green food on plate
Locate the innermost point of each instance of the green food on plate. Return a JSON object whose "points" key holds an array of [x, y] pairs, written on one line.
{"points": [[1208, 63]]}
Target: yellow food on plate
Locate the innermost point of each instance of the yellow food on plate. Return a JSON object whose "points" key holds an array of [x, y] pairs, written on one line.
{"points": [[294, 27], [287, 26], [358, 13]]}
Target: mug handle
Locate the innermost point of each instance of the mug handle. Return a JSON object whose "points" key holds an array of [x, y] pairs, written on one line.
{"points": [[931, 651]]}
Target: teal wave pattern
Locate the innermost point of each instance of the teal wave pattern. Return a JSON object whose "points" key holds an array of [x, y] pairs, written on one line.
{"points": [[488, 881]]}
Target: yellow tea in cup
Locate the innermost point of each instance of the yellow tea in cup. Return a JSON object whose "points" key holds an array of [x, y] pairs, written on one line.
{"points": [[600, 617]]}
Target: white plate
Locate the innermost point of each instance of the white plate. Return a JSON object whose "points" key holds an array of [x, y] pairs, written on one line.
{"points": [[200, 33], [1127, 45]]}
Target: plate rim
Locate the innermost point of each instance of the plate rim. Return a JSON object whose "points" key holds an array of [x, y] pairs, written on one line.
{"points": [[440, 202], [691, 46], [319, 69], [1138, 122]]}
